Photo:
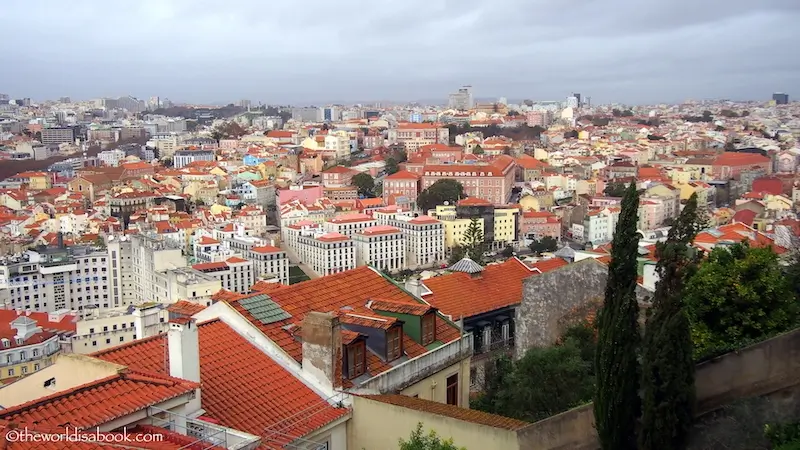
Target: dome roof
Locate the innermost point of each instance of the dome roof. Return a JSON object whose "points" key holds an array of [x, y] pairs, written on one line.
{"points": [[466, 265]]}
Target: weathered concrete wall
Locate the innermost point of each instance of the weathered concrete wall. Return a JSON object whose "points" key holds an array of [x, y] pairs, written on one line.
{"points": [[760, 369], [766, 368], [570, 430], [549, 297]]}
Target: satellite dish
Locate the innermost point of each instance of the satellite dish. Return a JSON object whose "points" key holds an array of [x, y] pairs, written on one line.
{"points": [[446, 203]]}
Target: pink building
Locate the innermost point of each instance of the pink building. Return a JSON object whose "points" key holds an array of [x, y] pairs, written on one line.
{"points": [[538, 224], [401, 184], [305, 194], [338, 176], [491, 181], [730, 164], [534, 118]]}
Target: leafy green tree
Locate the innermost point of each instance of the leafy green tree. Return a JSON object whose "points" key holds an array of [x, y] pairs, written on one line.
{"points": [[473, 241], [616, 402], [444, 190], [627, 113], [431, 441], [478, 150], [545, 244], [456, 255], [614, 189], [738, 294], [667, 353], [616, 112], [392, 166], [544, 382], [508, 252], [365, 184]]}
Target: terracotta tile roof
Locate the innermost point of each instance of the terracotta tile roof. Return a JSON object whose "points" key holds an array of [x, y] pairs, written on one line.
{"points": [[266, 249], [547, 265], [474, 201], [740, 159], [393, 306], [67, 323], [367, 319], [403, 175], [331, 293], [379, 229], [169, 440], [265, 286], [452, 411], [185, 308], [233, 387], [460, 294], [101, 401], [423, 220]]}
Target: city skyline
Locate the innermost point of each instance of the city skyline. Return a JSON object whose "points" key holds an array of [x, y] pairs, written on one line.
{"points": [[409, 51]]}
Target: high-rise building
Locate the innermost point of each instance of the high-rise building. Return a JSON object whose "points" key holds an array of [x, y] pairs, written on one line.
{"points": [[780, 98], [245, 104], [305, 114], [64, 100], [461, 100], [572, 102], [578, 96]]}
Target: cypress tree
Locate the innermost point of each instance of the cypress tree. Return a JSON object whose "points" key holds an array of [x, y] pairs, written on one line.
{"points": [[616, 402], [667, 364]]}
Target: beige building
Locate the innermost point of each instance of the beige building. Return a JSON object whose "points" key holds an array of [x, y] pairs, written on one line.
{"points": [[106, 329]]}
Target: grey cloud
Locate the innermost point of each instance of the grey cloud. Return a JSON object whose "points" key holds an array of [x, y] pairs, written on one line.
{"points": [[314, 50]]}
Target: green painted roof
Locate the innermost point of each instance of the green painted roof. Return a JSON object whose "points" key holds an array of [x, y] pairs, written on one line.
{"points": [[264, 309]]}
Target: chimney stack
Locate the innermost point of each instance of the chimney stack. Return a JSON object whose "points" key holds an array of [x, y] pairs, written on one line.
{"points": [[184, 349], [414, 286], [322, 348]]}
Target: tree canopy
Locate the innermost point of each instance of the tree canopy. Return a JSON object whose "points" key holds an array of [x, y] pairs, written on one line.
{"points": [[431, 441], [614, 189], [544, 382], [444, 190], [616, 402], [478, 150], [392, 166], [365, 184], [667, 353], [473, 241], [545, 244], [738, 294]]}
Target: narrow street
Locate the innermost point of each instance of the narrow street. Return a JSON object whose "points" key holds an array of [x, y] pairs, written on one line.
{"points": [[295, 260]]}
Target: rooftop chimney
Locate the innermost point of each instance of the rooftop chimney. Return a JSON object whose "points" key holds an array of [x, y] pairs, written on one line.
{"points": [[184, 349], [414, 286], [322, 348]]}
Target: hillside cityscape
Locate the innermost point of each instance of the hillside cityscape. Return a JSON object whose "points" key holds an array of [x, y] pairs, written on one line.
{"points": [[468, 273]]}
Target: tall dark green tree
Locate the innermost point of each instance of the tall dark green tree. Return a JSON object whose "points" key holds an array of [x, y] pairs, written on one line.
{"points": [[667, 353], [616, 402], [473, 241]]}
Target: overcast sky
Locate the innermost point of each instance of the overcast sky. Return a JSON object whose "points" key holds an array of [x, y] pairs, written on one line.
{"points": [[314, 51]]}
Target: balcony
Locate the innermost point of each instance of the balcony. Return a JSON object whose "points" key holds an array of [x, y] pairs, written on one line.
{"points": [[495, 345], [419, 368], [206, 434]]}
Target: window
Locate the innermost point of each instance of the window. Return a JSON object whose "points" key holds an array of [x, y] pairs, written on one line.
{"points": [[24, 370], [11, 372], [356, 359], [452, 389], [36, 367], [394, 343], [428, 328]]}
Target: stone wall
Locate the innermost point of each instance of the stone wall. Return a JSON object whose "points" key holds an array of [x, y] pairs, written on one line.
{"points": [[552, 296], [769, 368]]}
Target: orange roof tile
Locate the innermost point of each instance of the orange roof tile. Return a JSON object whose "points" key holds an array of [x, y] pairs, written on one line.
{"points": [[393, 306], [547, 265], [100, 401], [265, 249], [185, 308], [331, 293], [452, 411], [233, 391], [460, 294]]}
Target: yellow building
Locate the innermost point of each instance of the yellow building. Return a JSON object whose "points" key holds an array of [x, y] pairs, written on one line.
{"points": [[505, 224], [25, 348], [37, 181], [454, 230]]}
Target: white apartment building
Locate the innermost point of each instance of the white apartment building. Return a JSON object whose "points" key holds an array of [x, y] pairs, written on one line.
{"points": [[382, 247], [325, 253], [55, 278], [234, 274], [269, 262], [104, 329], [349, 224], [167, 145], [111, 158], [160, 273], [337, 143], [424, 239], [598, 225]]}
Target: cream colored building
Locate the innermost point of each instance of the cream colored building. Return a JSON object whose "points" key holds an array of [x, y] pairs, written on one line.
{"points": [[382, 247], [349, 224], [424, 240], [26, 349], [505, 224], [110, 328], [325, 253]]}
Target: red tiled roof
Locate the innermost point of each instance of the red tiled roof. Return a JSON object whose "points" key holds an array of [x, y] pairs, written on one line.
{"points": [[234, 390], [547, 265], [745, 216], [423, 220], [403, 175], [101, 401], [474, 201], [413, 308], [265, 249], [185, 308], [740, 159], [67, 323], [452, 411], [529, 162], [380, 229], [331, 293], [459, 294]]}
